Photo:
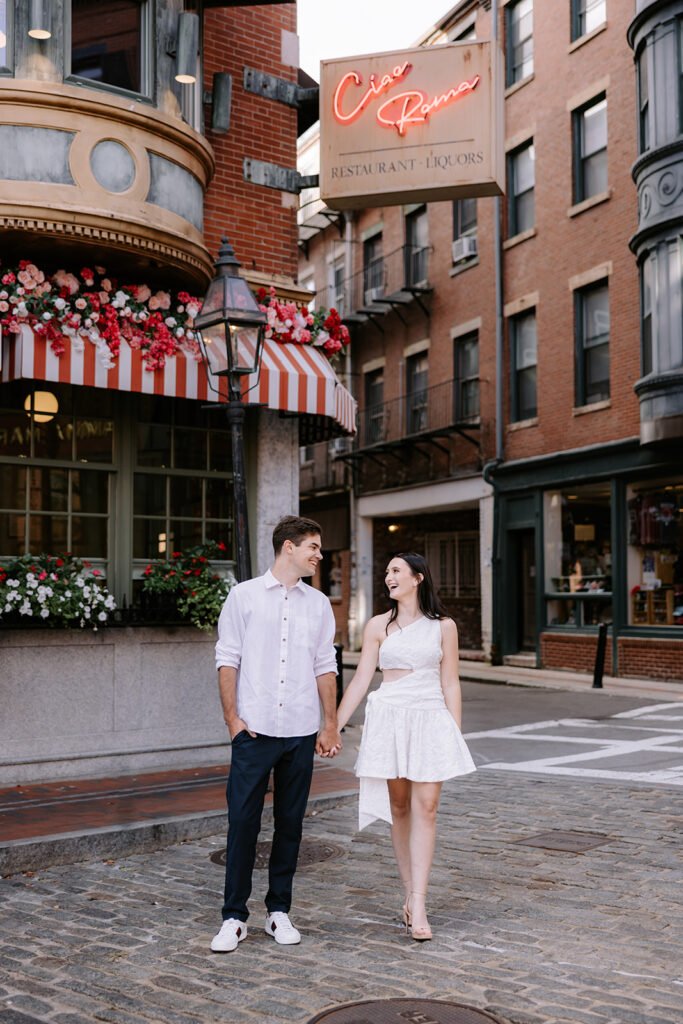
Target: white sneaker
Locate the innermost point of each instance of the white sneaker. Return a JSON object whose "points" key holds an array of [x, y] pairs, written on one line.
{"points": [[281, 928], [232, 932]]}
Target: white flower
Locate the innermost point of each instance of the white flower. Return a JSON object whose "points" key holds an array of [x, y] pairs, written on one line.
{"points": [[86, 611], [44, 612], [119, 300], [47, 316], [170, 321], [12, 583], [67, 593], [26, 609], [8, 607], [86, 592], [20, 290], [126, 311], [59, 303], [102, 616], [110, 603], [3, 294]]}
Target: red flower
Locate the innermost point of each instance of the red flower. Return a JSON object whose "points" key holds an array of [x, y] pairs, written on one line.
{"points": [[60, 562], [221, 546]]}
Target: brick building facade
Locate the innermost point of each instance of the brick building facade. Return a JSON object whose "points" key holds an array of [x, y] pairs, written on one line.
{"points": [[575, 507]]}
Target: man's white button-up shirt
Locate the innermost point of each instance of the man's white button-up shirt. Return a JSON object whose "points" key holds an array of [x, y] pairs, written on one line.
{"points": [[279, 641]]}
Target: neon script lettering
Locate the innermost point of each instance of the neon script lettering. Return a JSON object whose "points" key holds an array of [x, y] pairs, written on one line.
{"points": [[399, 112], [376, 86], [410, 108]]}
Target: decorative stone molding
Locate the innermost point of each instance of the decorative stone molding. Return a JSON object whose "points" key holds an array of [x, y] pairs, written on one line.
{"points": [[124, 195]]}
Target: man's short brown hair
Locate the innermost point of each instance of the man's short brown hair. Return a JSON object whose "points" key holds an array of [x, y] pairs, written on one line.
{"points": [[293, 528]]}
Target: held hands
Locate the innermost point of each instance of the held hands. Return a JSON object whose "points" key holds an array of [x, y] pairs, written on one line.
{"points": [[329, 741]]}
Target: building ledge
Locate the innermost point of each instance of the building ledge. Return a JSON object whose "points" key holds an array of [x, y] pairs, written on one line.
{"points": [[587, 204], [582, 40], [581, 410], [510, 243], [523, 424]]}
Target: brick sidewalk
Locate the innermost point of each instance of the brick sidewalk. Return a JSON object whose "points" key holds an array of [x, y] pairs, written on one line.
{"points": [[533, 935]]}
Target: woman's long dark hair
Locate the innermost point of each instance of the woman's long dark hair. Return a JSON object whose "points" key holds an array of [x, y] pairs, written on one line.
{"points": [[428, 600]]}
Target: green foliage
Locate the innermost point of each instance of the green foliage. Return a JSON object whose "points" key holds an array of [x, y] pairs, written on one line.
{"points": [[188, 576], [60, 589]]}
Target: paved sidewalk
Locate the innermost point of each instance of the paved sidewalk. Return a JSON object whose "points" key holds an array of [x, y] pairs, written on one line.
{"points": [[61, 822], [533, 935]]}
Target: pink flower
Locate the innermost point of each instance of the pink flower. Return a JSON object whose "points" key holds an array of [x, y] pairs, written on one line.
{"points": [[164, 300], [26, 280], [64, 280], [106, 284], [154, 303], [143, 293], [80, 303], [104, 298], [101, 270], [4, 306]]}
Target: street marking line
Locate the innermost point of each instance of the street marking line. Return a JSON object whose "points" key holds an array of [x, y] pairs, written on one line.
{"points": [[665, 776]]}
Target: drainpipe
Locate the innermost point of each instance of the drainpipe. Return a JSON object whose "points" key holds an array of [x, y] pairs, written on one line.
{"points": [[490, 467], [499, 288], [353, 624]]}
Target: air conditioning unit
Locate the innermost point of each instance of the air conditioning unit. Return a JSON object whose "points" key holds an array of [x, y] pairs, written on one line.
{"points": [[464, 248], [373, 294], [339, 445]]}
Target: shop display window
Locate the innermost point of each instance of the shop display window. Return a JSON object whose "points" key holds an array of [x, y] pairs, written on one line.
{"points": [[578, 556], [655, 553]]}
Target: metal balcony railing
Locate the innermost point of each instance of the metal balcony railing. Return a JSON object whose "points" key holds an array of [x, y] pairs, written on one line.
{"points": [[393, 279], [427, 411]]}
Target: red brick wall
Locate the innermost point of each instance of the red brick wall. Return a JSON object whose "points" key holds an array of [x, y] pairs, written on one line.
{"points": [[573, 651], [566, 246], [261, 229], [640, 658], [655, 658]]}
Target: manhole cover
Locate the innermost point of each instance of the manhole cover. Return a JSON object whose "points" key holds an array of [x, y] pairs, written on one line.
{"points": [[311, 851], [570, 842], [405, 1011]]}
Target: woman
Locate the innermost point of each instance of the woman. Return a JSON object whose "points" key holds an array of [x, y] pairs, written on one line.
{"points": [[411, 739]]}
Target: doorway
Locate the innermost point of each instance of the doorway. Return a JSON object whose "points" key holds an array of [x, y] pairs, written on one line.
{"points": [[524, 591]]}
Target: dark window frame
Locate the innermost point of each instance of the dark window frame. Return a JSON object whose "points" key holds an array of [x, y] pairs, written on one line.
{"points": [[373, 380], [147, 60], [643, 79], [461, 382], [587, 343], [416, 255], [646, 352], [514, 227], [579, 12], [416, 409], [512, 75], [517, 413], [581, 158]]}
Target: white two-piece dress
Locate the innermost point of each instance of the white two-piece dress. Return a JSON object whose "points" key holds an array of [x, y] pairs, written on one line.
{"points": [[409, 733]]}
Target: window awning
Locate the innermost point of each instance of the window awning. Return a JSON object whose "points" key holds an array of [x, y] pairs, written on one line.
{"points": [[293, 378]]}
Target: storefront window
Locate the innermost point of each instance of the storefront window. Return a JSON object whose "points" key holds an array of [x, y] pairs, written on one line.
{"points": [[331, 574], [578, 556], [54, 500], [3, 34], [655, 553]]}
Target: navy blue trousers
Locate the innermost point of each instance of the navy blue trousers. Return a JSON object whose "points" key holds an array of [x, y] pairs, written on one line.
{"points": [[253, 758]]}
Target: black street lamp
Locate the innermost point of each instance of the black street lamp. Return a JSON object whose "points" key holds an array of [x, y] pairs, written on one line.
{"points": [[231, 329]]}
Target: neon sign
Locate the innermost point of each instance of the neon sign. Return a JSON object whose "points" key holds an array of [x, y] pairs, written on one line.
{"points": [[402, 111], [375, 88]]}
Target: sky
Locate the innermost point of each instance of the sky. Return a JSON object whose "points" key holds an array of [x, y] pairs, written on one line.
{"points": [[330, 29]]}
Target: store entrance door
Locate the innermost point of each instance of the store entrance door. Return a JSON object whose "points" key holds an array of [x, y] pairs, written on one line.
{"points": [[524, 561]]}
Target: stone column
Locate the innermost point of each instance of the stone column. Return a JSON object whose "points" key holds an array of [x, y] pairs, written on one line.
{"points": [[272, 479]]}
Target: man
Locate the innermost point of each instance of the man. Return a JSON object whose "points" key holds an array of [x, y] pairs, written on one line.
{"points": [[276, 663]]}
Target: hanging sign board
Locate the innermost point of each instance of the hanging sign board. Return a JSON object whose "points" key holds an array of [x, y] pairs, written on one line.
{"points": [[412, 126]]}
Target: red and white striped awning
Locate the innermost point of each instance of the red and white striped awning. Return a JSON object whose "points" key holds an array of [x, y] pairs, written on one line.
{"points": [[293, 378]]}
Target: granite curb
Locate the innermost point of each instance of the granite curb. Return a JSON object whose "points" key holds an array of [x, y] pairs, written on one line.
{"points": [[121, 840]]}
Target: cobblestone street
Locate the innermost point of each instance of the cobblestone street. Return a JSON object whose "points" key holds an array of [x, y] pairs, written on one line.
{"points": [[533, 935]]}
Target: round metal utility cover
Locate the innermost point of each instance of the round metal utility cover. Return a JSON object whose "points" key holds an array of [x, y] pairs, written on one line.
{"points": [[405, 1011], [311, 851]]}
